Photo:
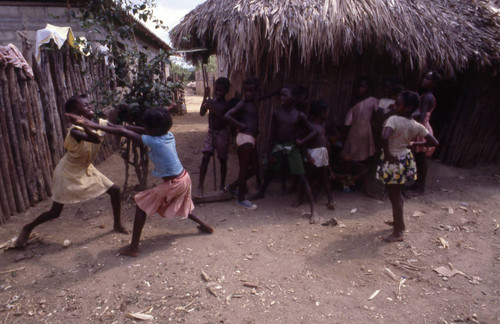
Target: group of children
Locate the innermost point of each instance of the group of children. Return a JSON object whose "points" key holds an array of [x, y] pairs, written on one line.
{"points": [[301, 143], [301, 146]]}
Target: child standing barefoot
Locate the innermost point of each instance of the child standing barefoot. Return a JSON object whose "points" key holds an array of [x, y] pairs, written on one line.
{"points": [[397, 165], [317, 148], [172, 198], [75, 177], [217, 138]]}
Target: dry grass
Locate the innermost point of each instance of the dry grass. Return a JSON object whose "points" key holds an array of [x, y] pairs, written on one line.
{"points": [[446, 34]]}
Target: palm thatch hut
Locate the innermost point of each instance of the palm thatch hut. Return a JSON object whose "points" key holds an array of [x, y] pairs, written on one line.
{"points": [[327, 44]]}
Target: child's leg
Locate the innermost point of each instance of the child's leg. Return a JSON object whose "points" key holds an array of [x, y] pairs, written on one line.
{"points": [[54, 212], [310, 199], [223, 172], [204, 227], [397, 213], [203, 172], [328, 188], [139, 220], [268, 178], [244, 156], [421, 160], [114, 193]]}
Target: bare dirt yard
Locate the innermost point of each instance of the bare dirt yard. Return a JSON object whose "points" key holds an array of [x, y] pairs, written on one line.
{"points": [[267, 265]]}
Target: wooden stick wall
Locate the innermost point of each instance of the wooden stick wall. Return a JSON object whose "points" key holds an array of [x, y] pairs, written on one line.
{"points": [[32, 127]]}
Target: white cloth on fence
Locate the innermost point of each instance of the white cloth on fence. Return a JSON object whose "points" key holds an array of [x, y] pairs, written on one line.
{"points": [[58, 34], [10, 54]]}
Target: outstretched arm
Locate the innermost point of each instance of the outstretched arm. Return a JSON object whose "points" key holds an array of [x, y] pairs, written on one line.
{"points": [[88, 135], [115, 129]]}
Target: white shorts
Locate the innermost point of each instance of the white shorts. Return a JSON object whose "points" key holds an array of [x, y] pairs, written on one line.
{"points": [[320, 156], [242, 138]]}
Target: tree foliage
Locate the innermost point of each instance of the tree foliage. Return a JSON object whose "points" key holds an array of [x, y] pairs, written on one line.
{"points": [[140, 81]]}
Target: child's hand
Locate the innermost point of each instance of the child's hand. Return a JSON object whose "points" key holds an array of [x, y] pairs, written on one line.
{"points": [[299, 142], [207, 92], [172, 106], [311, 159], [75, 119]]}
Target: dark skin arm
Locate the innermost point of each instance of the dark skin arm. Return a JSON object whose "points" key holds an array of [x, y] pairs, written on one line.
{"points": [[312, 132], [229, 115], [88, 135], [136, 129], [426, 105], [115, 130], [204, 104], [430, 141], [386, 133]]}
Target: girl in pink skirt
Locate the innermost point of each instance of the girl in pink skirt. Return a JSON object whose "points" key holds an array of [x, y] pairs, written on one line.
{"points": [[170, 199]]}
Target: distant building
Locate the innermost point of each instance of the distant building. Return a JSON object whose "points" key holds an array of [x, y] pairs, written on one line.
{"points": [[27, 17]]}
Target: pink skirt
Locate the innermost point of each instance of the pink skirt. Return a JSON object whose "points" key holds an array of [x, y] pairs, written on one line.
{"points": [[170, 199]]}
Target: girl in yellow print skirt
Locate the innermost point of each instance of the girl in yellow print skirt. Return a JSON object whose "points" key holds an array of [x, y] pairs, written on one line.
{"points": [[397, 165]]}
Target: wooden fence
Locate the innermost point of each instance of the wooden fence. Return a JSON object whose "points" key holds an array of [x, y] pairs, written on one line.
{"points": [[32, 127]]}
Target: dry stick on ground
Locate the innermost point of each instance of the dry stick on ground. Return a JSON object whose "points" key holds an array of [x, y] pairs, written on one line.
{"points": [[12, 270], [12, 144]]}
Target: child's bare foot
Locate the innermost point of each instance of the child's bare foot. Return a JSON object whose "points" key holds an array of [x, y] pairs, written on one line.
{"points": [[120, 229], [393, 238], [129, 251], [330, 206], [22, 239], [314, 218], [206, 228]]}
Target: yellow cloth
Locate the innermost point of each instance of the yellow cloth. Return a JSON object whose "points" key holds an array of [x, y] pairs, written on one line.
{"points": [[75, 177], [59, 35]]}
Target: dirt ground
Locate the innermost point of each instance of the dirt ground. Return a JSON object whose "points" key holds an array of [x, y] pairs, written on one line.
{"points": [[267, 265]]}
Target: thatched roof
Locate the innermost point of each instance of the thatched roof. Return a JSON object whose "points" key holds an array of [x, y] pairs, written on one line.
{"points": [[446, 34]]}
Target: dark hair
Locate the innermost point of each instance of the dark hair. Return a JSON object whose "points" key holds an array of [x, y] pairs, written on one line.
{"points": [[157, 120], [251, 80], [223, 82], [317, 108], [397, 89], [410, 99], [366, 79], [72, 103]]}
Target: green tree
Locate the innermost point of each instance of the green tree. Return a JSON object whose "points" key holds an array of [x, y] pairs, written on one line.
{"points": [[141, 81]]}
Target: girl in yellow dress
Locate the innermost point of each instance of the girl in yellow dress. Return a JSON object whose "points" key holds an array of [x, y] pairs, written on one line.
{"points": [[75, 177]]}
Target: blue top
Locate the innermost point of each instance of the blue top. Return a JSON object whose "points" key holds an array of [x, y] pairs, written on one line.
{"points": [[163, 154]]}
